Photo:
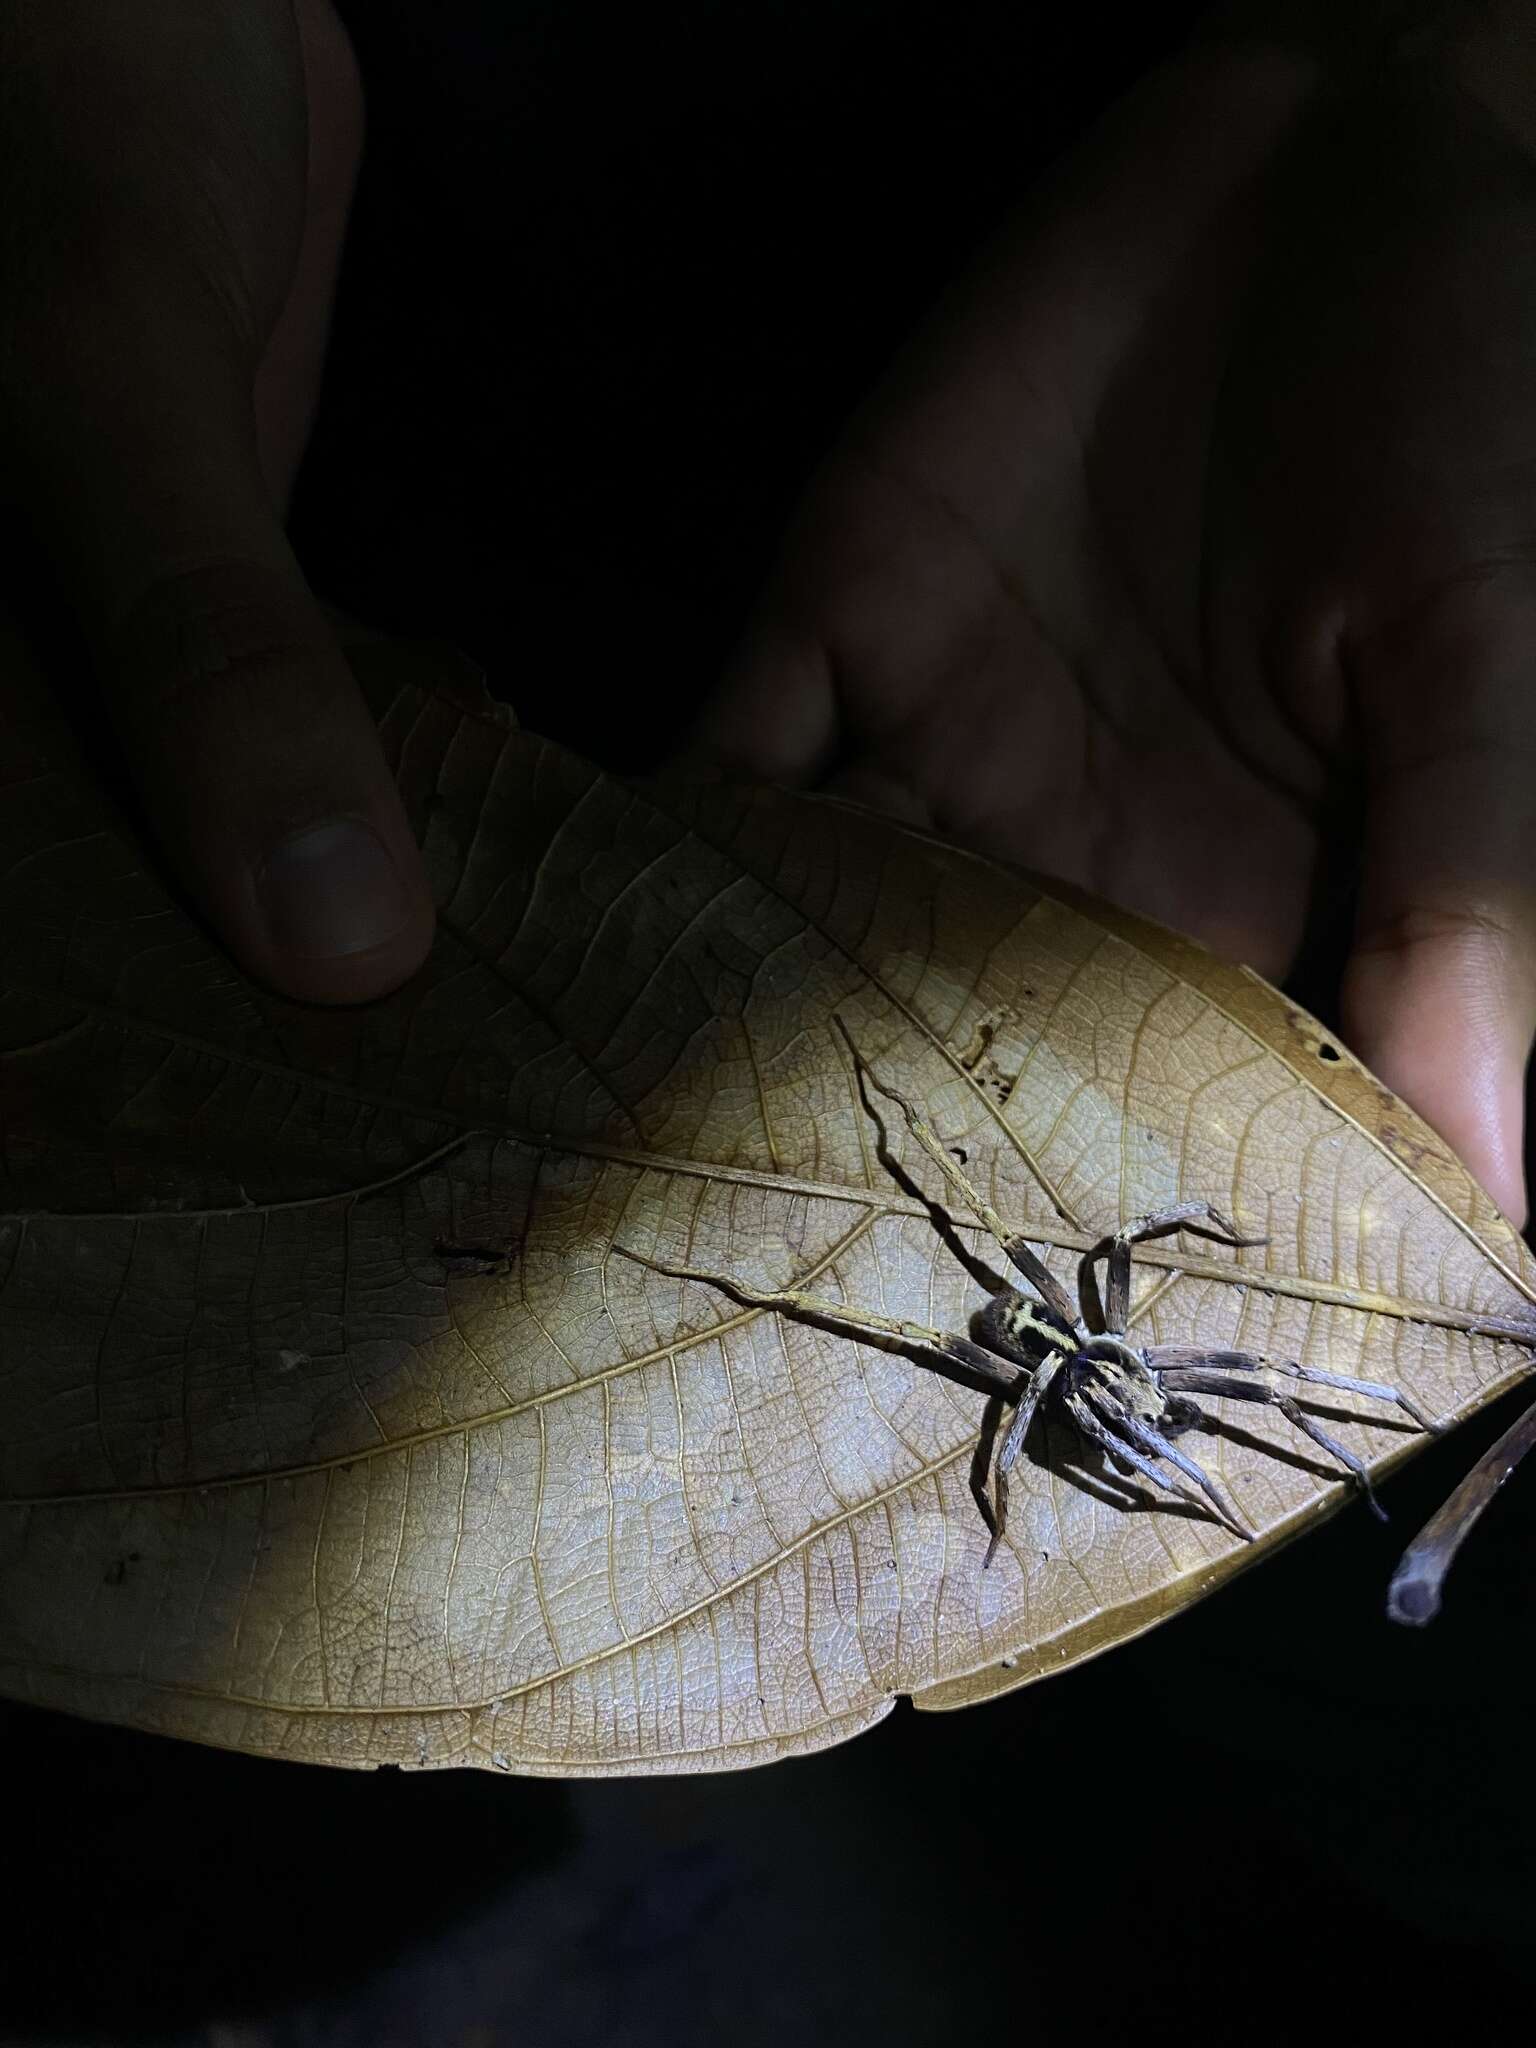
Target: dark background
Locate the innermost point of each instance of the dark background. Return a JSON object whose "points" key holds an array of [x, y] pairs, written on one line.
{"points": [[616, 275]]}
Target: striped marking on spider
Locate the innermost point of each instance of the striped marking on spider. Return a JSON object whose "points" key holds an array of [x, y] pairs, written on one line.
{"points": [[1043, 1352]]}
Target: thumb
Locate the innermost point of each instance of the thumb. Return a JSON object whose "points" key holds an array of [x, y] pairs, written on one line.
{"points": [[1439, 994], [260, 769], [264, 779]]}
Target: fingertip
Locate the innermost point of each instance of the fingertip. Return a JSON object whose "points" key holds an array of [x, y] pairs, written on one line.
{"points": [[1439, 1024], [265, 782], [773, 717], [341, 911]]}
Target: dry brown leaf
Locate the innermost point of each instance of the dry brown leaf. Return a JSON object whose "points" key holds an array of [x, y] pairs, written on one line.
{"points": [[333, 1429]]}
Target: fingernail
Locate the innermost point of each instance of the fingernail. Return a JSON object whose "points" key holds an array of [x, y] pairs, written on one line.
{"points": [[330, 890]]}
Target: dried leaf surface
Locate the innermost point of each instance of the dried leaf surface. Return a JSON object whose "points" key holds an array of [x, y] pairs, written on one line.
{"points": [[332, 1427]]}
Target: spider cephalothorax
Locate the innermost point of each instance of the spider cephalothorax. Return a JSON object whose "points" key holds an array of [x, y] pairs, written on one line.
{"points": [[1044, 1349]]}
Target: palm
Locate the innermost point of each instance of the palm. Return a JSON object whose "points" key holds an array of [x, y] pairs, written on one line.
{"points": [[1029, 702], [1187, 512]]}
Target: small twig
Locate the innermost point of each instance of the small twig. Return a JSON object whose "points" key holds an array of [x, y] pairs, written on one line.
{"points": [[1414, 1594]]}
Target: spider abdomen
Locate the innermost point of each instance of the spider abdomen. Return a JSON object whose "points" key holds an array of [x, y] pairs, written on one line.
{"points": [[1023, 1329]]}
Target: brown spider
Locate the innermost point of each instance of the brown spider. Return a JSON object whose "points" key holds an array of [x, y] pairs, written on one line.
{"points": [[1129, 1401]]}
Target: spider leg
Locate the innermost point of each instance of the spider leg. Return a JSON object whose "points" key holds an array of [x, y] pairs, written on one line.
{"points": [[1299, 1419], [1183, 1356], [1011, 1243], [1198, 1218], [955, 1358], [1158, 1445], [1212, 1380], [981, 1460], [1116, 1448], [1023, 1415]]}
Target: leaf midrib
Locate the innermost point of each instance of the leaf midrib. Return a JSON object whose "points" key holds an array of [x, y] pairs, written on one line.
{"points": [[1173, 1261]]}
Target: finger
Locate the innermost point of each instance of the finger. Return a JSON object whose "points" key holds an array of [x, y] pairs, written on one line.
{"points": [[260, 769], [287, 384], [264, 780], [1440, 990], [1440, 1000], [953, 497], [774, 716]]}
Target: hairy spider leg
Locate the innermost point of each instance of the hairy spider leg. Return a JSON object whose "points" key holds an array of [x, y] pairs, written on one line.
{"points": [[1180, 1357], [1197, 1379], [1085, 1415], [1018, 1429], [1127, 1424], [1211, 1372], [981, 1466], [1198, 1218], [1011, 1243], [956, 1358]]}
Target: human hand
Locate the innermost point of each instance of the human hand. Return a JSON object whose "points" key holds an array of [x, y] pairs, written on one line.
{"points": [[174, 181], [1203, 513]]}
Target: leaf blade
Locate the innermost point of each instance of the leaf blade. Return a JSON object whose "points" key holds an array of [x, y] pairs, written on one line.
{"points": [[280, 1475]]}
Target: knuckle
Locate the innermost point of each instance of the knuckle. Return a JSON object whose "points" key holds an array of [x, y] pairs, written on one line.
{"points": [[1417, 927], [206, 635]]}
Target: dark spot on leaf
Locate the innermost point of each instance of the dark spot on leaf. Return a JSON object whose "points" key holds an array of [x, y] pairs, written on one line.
{"points": [[1328, 1052], [960, 1153], [473, 1258]]}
